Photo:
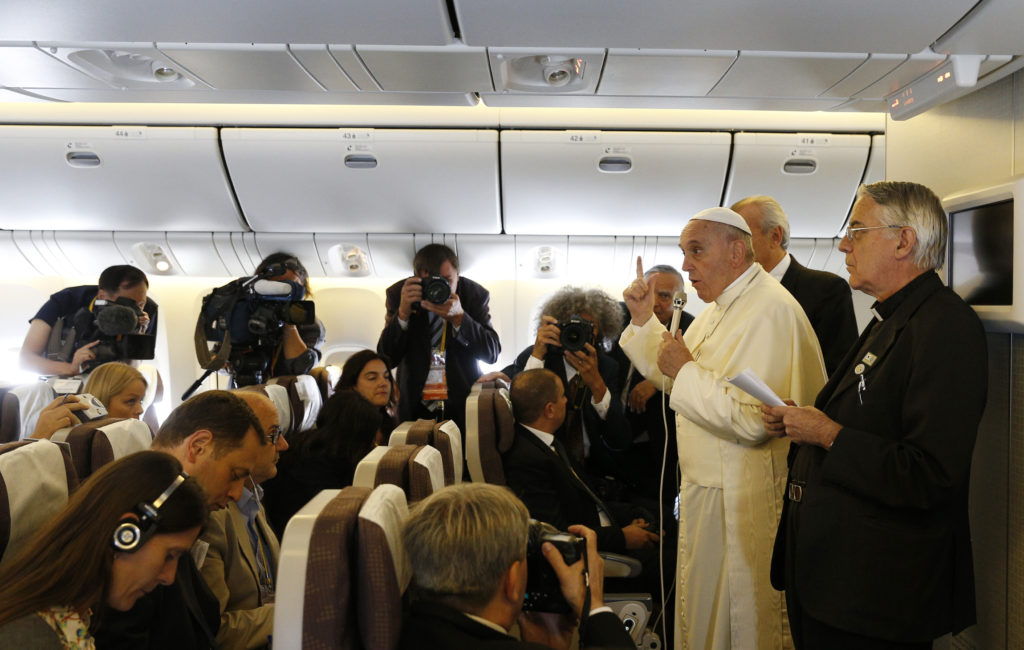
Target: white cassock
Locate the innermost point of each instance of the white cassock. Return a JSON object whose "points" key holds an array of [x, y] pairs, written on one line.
{"points": [[733, 474]]}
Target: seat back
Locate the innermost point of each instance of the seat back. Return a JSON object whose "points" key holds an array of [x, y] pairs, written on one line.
{"points": [[10, 416], [315, 602], [154, 394], [36, 478], [443, 436], [304, 398], [94, 444], [342, 572], [417, 469], [490, 431], [384, 571], [26, 401], [326, 379]]}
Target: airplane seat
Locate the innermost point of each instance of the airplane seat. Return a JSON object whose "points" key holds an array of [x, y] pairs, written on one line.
{"points": [[342, 572], [304, 397], [278, 394], [443, 436], [315, 600], [494, 383], [36, 477], [154, 394], [94, 444], [27, 400], [10, 416], [384, 572], [490, 431], [417, 469], [326, 379]]}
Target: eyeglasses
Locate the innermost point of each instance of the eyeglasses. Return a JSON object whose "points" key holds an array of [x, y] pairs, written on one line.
{"points": [[273, 434], [850, 232]]}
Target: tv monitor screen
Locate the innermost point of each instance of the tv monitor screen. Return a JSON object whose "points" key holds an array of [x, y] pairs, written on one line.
{"points": [[981, 254]]}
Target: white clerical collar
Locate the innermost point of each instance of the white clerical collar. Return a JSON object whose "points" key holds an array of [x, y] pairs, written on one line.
{"points": [[483, 621], [781, 268], [734, 289], [547, 438]]}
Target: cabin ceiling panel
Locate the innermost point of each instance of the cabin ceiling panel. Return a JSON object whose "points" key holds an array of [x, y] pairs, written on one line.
{"points": [[260, 97], [785, 74], [325, 68], [348, 180], [786, 25], [407, 22], [588, 182], [991, 28], [28, 66], [196, 254], [915, 66], [664, 72], [242, 67], [813, 176], [104, 178], [867, 73], [455, 68]]}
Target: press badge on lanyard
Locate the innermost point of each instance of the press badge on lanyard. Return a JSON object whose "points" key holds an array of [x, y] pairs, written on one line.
{"points": [[436, 386]]}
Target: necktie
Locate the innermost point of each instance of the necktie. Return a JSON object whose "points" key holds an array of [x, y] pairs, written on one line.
{"points": [[576, 394], [604, 514], [436, 331]]}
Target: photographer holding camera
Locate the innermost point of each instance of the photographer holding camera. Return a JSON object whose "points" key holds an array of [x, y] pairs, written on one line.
{"points": [[573, 335], [468, 547], [80, 327], [261, 326], [437, 326]]}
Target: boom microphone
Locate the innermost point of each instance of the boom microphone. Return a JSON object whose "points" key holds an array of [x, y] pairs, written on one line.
{"points": [[678, 301], [114, 320]]}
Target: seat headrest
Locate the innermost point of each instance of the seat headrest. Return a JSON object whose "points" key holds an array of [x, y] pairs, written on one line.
{"points": [[384, 571], [503, 420], [36, 478]]}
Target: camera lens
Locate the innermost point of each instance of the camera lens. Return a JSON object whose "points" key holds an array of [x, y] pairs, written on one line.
{"points": [[436, 290], [575, 333]]}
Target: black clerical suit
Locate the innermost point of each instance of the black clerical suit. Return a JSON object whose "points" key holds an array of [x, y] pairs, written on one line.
{"points": [[878, 543], [608, 437], [409, 349], [828, 303], [545, 481], [433, 626]]}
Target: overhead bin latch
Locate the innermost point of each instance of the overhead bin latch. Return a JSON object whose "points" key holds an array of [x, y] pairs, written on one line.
{"points": [[800, 166], [615, 164], [360, 161], [83, 159]]}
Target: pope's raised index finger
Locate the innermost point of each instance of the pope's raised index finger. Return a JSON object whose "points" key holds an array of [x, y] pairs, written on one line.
{"points": [[639, 268]]}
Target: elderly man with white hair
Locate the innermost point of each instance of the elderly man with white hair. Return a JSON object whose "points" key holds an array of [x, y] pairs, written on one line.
{"points": [[732, 471]]}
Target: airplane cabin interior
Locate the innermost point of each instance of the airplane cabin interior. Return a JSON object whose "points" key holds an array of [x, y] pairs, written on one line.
{"points": [[547, 143]]}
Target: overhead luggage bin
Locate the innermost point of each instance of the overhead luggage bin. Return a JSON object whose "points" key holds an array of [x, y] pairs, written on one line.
{"points": [[609, 182], [814, 176], [365, 180], [114, 178]]}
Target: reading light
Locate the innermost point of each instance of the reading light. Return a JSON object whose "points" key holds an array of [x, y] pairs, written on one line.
{"points": [[958, 73], [546, 262]]}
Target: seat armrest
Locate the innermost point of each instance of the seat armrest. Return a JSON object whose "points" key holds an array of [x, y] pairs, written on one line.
{"points": [[620, 566]]}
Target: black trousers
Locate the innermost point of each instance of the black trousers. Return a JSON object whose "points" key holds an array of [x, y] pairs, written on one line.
{"points": [[812, 634]]}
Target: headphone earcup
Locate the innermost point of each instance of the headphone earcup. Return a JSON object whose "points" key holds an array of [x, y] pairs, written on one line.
{"points": [[127, 536]]}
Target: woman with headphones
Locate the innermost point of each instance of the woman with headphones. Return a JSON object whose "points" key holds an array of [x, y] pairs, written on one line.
{"points": [[106, 548]]}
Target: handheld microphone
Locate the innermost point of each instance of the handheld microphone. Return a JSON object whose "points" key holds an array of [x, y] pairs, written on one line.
{"points": [[678, 301]]}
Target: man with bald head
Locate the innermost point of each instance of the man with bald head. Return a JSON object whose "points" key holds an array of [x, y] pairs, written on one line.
{"points": [[241, 561], [731, 471], [825, 297]]}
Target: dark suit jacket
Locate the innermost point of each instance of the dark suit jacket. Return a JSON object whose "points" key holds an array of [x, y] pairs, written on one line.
{"points": [[642, 466], [544, 482], [181, 615], [879, 543], [609, 436], [432, 626], [410, 350], [828, 303]]}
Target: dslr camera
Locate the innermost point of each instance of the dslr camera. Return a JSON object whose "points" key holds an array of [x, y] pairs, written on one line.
{"points": [[115, 324], [436, 289], [543, 591], [575, 333], [254, 311]]}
